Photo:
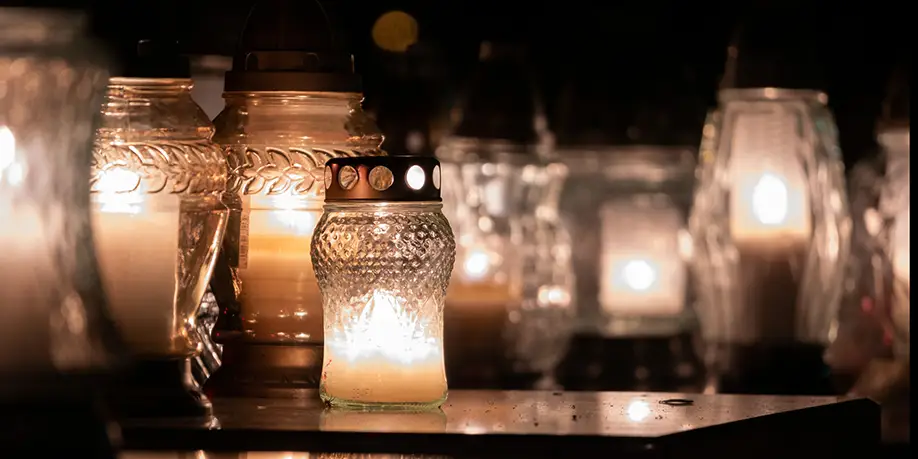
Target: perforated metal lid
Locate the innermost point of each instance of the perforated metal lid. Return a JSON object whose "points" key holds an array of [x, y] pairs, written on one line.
{"points": [[382, 179]]}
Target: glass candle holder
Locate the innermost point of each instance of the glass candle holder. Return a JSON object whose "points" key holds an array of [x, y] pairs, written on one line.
{"points": [[510, 301], [893, 235], [629, 206], [771, 230], [383, 254], [289, 109], [57, 343], [156, 183]]}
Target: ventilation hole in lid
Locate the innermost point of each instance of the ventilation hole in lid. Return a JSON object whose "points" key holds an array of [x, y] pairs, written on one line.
{"points": [[381, 178], [328, 177], [436, 177], [415, 177], [347, 177]]}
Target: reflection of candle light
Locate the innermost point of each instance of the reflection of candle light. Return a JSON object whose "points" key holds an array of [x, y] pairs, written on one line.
{"points": [[384, 354], [638, 410], [137, 244]]}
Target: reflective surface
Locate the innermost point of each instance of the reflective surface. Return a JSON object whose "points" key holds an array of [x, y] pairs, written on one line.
{"points": [[537, 424]]}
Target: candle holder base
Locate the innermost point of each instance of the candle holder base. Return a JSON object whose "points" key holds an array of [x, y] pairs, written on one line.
{"points": [[335, 403], [161, 390], [266, 370]]}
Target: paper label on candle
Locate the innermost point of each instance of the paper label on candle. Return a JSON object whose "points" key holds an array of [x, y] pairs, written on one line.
{"points": [[243, 239], [769, 200], [642, 270]]}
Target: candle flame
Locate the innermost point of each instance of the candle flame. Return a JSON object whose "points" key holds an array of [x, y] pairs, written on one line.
{"points": [[117, 191], [477, 264], [639, 275], [385, 329], [770, 200]]}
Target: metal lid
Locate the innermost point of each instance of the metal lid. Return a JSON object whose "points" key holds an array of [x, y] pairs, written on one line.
{"points": [[382, 179], [290, 45]]}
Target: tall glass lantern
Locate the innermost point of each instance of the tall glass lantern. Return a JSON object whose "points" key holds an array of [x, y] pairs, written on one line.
{"points": [[155, 188], [292, 102], [58, 343], [771, 228], [509, 305], [770, 223]]}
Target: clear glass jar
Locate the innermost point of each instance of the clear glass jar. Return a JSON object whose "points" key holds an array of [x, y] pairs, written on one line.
{"points": [[629, 207], [770, 224], [509, 304], [383, 264], [57, 337], [276, 145], [157, 215], [54, 305]]}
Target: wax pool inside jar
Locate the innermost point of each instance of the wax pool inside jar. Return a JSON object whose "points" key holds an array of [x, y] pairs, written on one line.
{"points": [[137, 247], [280, 296], [384, 354]]}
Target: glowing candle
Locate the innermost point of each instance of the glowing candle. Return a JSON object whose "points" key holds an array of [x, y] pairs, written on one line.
{"points": [[279, 289], [769, 202], [642, 270], [384, 355], [383, 253], [137, 241]]}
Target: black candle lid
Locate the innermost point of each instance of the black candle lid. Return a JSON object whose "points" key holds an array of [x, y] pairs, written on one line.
{"points": [[382, 179], [291, 45]]}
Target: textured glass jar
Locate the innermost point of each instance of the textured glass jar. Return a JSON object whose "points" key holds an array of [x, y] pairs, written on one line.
{"points": [[770, 222], [629, 207], [155, 190], [510, 301], [383, 254], [276, 145]]}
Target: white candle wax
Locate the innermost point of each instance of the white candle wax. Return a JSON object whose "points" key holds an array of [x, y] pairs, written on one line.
{"points": [[769, 201], [384, 355], [280, 296], [137, 244], [642, 271]]}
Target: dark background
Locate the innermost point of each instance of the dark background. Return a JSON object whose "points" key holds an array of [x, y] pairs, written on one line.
{"points": [[634, 59]]}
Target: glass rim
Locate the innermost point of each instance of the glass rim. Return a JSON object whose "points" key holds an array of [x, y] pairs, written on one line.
{"points": [[771, 93]]}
